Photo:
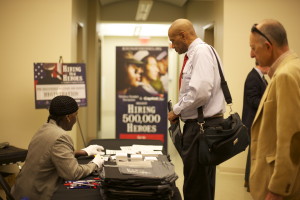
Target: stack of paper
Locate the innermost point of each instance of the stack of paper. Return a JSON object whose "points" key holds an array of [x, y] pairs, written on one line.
{"points": [[121, 156], [135, 157]]}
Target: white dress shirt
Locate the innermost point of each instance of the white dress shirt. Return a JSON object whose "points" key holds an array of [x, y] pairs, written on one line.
{"points": [[200, 84]]}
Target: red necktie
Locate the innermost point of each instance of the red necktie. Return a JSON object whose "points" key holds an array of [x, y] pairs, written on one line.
{"points": [[180, 76]]}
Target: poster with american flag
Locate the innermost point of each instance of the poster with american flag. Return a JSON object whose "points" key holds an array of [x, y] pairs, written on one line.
{"points": [[53, 79]]}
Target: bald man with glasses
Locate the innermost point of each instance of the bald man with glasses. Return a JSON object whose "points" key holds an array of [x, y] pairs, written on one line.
{"points": [[275, 133]]}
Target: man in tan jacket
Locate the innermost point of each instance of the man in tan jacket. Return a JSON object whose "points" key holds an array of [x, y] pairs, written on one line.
{"points": [[275, 139]]}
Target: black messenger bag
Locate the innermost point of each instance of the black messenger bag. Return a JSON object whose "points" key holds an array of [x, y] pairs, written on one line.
{"points": [[225, 140]]}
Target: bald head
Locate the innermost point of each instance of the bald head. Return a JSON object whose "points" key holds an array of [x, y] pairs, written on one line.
{"points": [[181, 34], [275, 31], [268, 41], [182, 25]]}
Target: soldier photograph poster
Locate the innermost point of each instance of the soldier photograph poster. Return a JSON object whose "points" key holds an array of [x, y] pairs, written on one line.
{"points": [[141, 92], [53, 79]]}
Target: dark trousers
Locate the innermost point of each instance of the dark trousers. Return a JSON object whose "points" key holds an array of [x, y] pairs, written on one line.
{"points": [[248, 162], [199, 180]]}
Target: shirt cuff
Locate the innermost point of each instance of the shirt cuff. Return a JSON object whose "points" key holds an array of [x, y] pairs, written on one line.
{"points": [[176, 110]]}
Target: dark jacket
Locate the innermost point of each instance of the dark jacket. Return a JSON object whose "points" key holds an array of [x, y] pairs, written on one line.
{"points": [[253, 91]]}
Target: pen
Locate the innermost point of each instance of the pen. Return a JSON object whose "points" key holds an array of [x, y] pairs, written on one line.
{"points": [[82, 184], [81, 187]]}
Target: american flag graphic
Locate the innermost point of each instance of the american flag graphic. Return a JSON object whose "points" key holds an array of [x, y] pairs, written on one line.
{"points": [[41, 68], [39, 72]]}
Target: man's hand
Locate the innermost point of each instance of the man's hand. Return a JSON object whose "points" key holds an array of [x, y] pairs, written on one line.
{"points": [[98, 160], [93, 149], [172, 117], [272, 196]]}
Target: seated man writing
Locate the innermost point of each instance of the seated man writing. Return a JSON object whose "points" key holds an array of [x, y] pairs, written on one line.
{"points": [[51, 155]]}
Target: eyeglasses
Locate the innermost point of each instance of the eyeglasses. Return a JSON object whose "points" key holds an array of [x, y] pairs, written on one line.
{"points": [[254, 29]]}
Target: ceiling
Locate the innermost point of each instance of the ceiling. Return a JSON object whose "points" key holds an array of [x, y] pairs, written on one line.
{"points": [[130, 29], [139, 10], [172, 2], [139, 25]]}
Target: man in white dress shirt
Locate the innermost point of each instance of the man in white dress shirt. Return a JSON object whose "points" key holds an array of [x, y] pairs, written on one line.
{"points": [[199, 86]]}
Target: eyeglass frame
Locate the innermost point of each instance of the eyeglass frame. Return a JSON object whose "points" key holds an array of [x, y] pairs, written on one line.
{"points": [[254, 29]]}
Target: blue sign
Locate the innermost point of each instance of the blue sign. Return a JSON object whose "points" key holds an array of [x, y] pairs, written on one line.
{"points": [[53, 79]]}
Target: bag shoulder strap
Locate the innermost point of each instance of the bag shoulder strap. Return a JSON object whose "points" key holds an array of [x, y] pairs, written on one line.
{"points": [[224, 84], [224, 87]]}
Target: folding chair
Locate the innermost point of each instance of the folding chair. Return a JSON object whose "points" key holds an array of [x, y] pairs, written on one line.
{"points": [[10, 155]]}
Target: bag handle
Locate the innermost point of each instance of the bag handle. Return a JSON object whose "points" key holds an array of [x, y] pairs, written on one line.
{"points": [[224, 87]]}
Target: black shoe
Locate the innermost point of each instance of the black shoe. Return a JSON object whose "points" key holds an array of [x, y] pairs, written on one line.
{"points": [[248, 189], [246, 184]]}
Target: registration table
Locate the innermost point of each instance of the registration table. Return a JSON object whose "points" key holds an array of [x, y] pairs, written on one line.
{"points": [[94, 193]]}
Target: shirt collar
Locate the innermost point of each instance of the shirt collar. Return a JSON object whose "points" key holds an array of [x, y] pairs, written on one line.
{"points": [[259, 72], [52, 121], [192, 45], [277, 62]]}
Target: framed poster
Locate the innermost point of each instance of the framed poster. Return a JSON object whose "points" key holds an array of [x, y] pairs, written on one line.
{"points": [[53, 79], [141, 92]]}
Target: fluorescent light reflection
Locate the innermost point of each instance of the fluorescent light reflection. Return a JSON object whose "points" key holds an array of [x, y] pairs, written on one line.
{"points": [[122, 29]]}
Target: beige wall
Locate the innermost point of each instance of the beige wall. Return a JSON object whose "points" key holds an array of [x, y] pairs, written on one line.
{"points": [[31, 31], [93, 71], [219, 26], [85, 50], [42, 31], [201, 13], [79, 30]]}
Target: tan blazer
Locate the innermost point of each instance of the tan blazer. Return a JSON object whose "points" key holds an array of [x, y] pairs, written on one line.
{"points": [[275, 139]]}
